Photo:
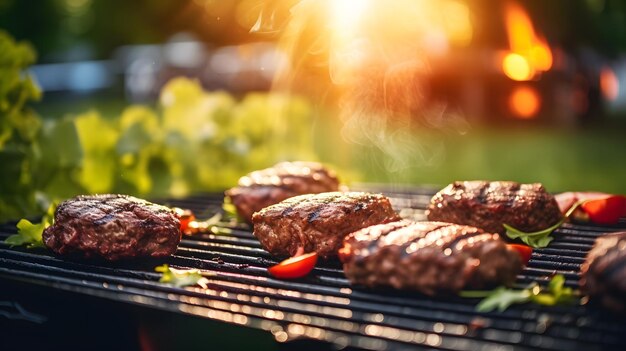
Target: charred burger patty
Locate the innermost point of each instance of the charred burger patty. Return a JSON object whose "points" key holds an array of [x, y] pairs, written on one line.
{"points": [[488, 205], [272, 185], [112, 227], [603, 275], [428, 257], [318, 222]]}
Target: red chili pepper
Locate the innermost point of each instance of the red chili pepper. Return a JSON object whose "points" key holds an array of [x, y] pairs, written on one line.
{"points": [[523, 251], [607, 210], [294, 267]]}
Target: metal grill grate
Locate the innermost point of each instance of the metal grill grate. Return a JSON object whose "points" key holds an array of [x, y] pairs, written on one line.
{"points": [[323, 306]]}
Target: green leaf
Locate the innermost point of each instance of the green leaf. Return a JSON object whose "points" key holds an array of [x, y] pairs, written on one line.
{"points": [[12, 161], [95, 133], [556, 284], [60, 145], [230, 211], [97, 140], [181, 278], [501, 298], [557, 293], [29, 234], [539, 238], [213, 225], [134, 139]]}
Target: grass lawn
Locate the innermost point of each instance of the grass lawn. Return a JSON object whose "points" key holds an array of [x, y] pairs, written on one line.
{"points": [[561, 159]]}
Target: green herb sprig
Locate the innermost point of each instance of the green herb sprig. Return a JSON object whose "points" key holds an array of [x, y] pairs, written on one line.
{"points": [[501, 298], [181, 277], [230, 211], [539, 238], [30, 234]]}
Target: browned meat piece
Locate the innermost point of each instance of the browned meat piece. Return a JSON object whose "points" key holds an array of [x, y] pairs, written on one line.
{"points": [[429, 257], [488, 205], [269, 186], [603, 275], [113, 227], [318, 222]]}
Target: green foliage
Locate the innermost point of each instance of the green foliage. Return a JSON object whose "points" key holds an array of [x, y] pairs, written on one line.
{"points": [[196, 141], [19, 127]]}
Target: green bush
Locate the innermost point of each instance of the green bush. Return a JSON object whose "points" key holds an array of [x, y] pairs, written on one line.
{"points": [[195, 141]]}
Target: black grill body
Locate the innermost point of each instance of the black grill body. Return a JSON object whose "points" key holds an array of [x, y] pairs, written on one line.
{"points": [[53, 302]]}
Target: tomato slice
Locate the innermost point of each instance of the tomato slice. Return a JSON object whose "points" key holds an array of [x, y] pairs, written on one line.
{"points": [[345, 252], [607, 210], [185, 217], [523, 251], [294, 267]]}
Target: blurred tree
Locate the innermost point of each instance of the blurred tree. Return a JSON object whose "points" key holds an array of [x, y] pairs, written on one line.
{"points": [[598, 24], [102, 25], [55, 26]]}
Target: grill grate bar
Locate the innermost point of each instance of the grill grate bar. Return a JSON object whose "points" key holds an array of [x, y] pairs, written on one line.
{"points": [[327, 311], [323, 305], [150, 275]]}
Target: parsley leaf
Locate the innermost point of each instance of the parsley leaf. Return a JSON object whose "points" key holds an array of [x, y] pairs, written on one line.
{"points": [[535, 239], [181, 277], [539, 238], [557, 293], [28, 233], [213, 225], [230, 211], [501, 298]]}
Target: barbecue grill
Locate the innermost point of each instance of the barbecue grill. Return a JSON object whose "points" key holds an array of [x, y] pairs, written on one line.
{"points": [[57, 302]]}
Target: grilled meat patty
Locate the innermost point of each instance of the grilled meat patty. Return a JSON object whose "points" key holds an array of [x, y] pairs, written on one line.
{"points": [[603, 275], [112, 227], [488, 205], [318, 222], [428, 257], [272, 185]]}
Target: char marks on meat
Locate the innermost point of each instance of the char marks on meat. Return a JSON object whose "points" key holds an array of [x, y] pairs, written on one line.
{"points": [[113, 227], [318, 222], [603, 275], [488, 205], [272, 185], [428, 257]]}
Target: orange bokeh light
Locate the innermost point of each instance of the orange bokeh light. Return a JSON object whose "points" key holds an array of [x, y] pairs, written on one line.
{"points": [[609, 85], [517, 67], [525, 102], [529, 52], [541, 55]]}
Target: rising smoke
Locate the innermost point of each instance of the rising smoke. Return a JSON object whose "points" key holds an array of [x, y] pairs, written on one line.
{"points": [[371, 59]]}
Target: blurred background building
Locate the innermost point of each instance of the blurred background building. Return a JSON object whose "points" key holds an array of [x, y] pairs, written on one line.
{"points": [[400, 91], [560, 62]]}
